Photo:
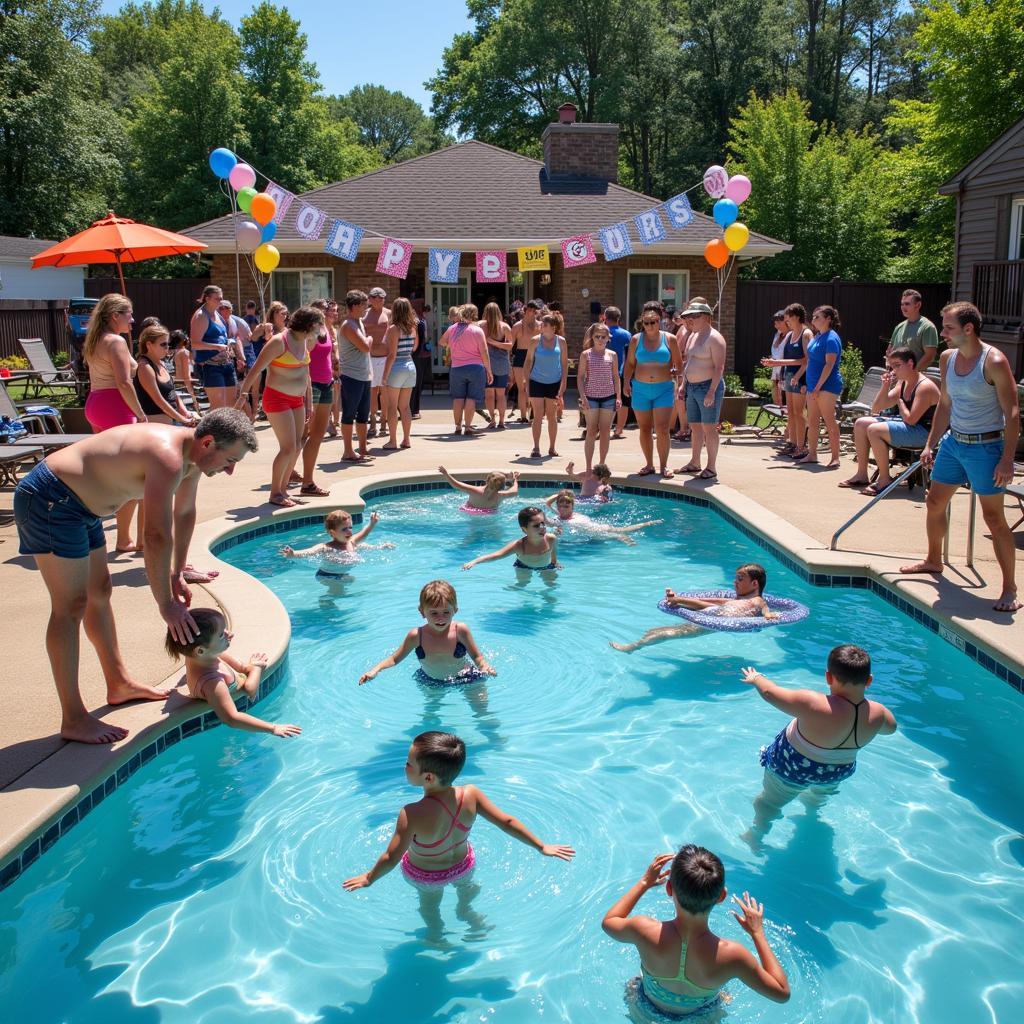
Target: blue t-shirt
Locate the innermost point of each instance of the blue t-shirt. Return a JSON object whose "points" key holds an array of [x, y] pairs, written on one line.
{"points": [[619, 344], [817, 349]]}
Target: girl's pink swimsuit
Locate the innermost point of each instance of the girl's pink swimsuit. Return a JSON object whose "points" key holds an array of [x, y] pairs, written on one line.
{"points": [[460, 872]]}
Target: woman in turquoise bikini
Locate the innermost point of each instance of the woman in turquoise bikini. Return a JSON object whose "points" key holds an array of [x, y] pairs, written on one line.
{"points": [[653, 360]]}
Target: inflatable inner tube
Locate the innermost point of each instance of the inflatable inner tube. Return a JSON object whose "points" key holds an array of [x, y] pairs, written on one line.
{"points": [[789, 611]]}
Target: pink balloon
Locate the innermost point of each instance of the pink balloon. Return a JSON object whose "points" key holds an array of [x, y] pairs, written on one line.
{"points": [[738, 188], [242, 176]]}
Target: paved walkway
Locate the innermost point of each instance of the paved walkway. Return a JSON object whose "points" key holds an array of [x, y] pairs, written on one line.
{"points": [[806, 498]]}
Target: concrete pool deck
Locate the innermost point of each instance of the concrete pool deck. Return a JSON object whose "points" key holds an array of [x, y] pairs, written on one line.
{"points": [[796, 508]]}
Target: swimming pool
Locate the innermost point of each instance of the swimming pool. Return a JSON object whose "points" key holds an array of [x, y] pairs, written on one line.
{"points": [[209, 887]]}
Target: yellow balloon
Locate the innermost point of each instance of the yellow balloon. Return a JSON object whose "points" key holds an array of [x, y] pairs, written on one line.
{"points": [[736, 236], [266, 258]]}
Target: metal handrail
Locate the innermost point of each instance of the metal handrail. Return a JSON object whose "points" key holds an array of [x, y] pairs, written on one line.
{"points": [[874, 501]]}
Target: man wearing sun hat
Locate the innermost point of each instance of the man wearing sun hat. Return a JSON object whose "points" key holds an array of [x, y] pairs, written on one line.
{"points": [[703, 368]]}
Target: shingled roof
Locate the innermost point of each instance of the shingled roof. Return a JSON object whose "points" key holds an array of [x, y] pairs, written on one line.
{"points": [[474, 196], [15, 248]]}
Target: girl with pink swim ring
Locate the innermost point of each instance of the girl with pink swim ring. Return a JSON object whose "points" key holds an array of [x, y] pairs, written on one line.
{"points": [[484, 500]]}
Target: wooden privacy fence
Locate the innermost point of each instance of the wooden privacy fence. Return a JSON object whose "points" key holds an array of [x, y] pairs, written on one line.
{"points": [[868, 310], [33, 318], [172, 301]]}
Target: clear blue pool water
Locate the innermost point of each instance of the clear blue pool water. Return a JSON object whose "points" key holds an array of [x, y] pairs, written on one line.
{"points": [[208, 888]]}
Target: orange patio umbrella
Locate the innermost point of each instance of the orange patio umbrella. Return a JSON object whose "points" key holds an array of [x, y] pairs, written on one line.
{"points": [[116, 240]]}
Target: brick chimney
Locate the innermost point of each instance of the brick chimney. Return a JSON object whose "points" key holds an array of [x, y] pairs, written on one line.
{"points": [[573, 150]]}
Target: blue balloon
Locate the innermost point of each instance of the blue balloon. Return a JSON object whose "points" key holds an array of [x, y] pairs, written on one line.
{"points": [[269, 231], [221, 162], [725, 212]]}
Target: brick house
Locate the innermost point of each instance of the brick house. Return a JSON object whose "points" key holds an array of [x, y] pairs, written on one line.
{"points": [[476, 197]]}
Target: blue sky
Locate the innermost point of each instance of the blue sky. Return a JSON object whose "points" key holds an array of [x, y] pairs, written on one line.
{"points": [[408, 38]]}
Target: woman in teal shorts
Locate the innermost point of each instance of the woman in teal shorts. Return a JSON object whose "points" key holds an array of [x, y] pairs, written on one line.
{"points": [[653, 360]]}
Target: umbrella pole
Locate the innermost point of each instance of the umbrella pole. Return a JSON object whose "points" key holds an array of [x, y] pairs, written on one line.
{"points": [[120, 273]]}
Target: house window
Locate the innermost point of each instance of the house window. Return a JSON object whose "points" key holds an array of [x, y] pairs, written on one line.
{"points": [[300, 287], [1016, 231], [671, 287]]}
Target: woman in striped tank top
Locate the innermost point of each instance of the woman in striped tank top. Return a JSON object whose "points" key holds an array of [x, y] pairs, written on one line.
{"points": [[399, 375], [599, 387]]}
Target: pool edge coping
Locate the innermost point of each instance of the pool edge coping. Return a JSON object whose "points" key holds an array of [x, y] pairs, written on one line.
{"points": [[45, 819]]}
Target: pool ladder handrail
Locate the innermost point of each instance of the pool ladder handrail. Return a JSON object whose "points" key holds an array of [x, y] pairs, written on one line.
{"points": [[881, 494]]}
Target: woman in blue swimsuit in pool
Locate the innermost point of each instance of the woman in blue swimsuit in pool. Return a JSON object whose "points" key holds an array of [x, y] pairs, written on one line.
{"points": [[652, 363]]}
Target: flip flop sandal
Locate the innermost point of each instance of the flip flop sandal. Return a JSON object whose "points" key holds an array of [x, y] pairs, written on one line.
{"points": [[358, 459], [691, 469], [313, 491], [535, 454], [707, 474], [647, 471]]}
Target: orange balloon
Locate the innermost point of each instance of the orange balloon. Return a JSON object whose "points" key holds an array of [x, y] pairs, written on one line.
{"points": [[715, 252], [262, 208]]}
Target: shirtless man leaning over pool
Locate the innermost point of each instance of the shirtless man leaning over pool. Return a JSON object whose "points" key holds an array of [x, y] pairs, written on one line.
{"points": [[58, 508]]}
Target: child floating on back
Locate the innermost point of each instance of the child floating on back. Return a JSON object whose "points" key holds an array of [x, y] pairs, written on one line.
{"points": [[340, 551], [564, 503], [683, 964], [442, 646], [208, 679], [486, 499], [535, 551], [818, 749]]}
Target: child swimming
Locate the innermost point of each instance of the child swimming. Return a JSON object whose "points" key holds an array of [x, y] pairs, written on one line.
{"points": [[749, 583], [683, 964], [565, 506], [485, 499], [535, 551], [442, 646], [818, 748], [595, 485], [340, 550], [207, 679]]}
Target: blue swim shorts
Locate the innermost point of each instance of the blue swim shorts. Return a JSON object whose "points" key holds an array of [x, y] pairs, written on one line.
{"points": [[957, 463], [51, 518], [696, 410], [652, 396]]}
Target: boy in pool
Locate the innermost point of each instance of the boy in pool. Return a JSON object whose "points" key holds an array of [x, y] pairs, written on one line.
{"points": [[749, 583], [595, 485], [485, 499], [340, 550], [442, 646], [535, 551], [431, 838], [683, 964], [565, 506], [208, 679], [818, 748]]}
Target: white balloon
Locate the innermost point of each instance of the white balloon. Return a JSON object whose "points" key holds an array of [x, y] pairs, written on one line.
{"points": [[249, 235]]}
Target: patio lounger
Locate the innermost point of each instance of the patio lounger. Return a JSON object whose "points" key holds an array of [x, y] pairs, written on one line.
{"points": [[49, 442], [11, 458], [776, 419], [16, 411], [861, 405], [49, 376]]}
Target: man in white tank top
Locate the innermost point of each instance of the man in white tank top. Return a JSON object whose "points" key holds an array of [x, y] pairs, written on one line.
{"points": [[979, 405]]}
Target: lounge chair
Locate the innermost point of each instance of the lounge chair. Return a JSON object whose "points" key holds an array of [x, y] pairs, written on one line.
{"points": [[861, 405], [48, 442], [16, 411], [12, 456], [47, 375]]}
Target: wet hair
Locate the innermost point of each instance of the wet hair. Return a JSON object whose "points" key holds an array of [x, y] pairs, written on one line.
{"points": [[438, 594], [756, 573], [355, 298], [468, 313], [965, 313], [179, 339], [442, 754], [602, 472], [612, 313], [797, 310], [208, 622], [154, 332], [492, 317], [850, 664], [698, 877], [565, 495], [403, 317], [528, 513], [336, 518], [904, 355], [111, 305], [780, 314], [912, 293], [496, 479], [211, 289], [226, 427], [833, 316], [306, 319]]}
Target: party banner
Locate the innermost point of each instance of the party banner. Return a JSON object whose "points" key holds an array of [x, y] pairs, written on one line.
{"points": [[343, 240], [282, 197], [534, 257], [650, 227], [443, 265], [394, 257], [678, 210], [309, 222], [491, 267], [578, 251], [615, 242]]}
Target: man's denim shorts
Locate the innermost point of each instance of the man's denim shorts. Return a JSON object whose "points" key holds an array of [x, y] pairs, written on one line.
{"points": [[51, 519], [957, 463], [696, 410], [467, 382]]}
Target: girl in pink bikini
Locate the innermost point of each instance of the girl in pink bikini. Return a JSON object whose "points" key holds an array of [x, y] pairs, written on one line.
{"points": [[484, 500], [431, 839]]}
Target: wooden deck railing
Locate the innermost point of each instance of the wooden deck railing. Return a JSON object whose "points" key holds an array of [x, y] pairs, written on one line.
{"points": [[997, 289]]}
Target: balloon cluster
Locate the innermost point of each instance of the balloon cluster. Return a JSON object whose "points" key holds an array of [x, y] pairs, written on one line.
{"points": [[255, 233], [729, 192]]}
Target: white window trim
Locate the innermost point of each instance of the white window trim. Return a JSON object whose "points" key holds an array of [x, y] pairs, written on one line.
{"points": [[291, 270], [1016, 224], [682, 271]]}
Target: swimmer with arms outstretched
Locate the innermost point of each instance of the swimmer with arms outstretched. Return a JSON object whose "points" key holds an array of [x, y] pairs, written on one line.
{"points": [[595, 484], [536, 551], [342, 543], [442, 646], [684, 964], [495, 490], [749, 584], [564, 503]]}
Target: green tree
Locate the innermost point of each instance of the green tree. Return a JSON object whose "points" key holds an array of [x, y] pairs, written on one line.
{"points": [[58, 167], [815, 188], [388, 121]]}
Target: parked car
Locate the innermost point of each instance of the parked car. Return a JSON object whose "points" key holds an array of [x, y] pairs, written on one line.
{"points": [[77, 314]]}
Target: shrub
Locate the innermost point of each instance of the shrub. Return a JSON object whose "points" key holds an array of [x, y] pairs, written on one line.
{"points": [[60, 359], [851, 366], [14, 363], [763, 387], [734, 385]]}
